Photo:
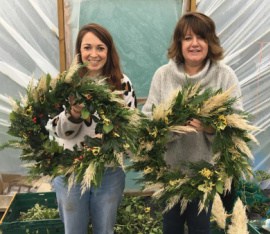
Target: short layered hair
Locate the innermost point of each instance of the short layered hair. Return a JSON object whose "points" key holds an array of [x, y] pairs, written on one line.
{"points": [[202, 26]]}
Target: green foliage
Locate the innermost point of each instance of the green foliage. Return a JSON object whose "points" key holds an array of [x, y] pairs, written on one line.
{"points": [[254, 198], [138, 215], [39, 212], [261, 175]]}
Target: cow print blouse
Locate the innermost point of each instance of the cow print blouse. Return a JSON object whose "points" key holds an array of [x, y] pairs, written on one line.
{"points": [[69, 132]]}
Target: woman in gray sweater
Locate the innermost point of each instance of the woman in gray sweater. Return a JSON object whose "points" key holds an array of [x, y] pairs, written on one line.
{"points": [[195, 55]]}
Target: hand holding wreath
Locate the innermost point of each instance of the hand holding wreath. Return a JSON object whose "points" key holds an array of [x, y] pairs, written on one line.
{"points": [[116, 127]]}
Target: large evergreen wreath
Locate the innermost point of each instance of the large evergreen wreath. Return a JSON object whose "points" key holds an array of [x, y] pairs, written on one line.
{"points": [[123, 129], [116, 124], [232, 157]]}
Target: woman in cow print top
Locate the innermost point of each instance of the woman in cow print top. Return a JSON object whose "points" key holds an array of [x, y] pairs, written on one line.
{"points": [[95, 47]]}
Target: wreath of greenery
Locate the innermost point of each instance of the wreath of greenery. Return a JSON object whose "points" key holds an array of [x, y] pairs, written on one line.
{"points": [[117, 127], [202, 180], [123, 129]]}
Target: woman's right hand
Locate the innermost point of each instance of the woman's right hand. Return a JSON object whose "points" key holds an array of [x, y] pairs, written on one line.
{"points": [[75, 109], [198, 125]]}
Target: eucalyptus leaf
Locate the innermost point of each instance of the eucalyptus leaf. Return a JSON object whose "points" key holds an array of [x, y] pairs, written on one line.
{"points": [[107, 128], [219, 187], [85, 113]]}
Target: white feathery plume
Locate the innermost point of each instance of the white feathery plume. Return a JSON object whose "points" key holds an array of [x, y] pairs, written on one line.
{"points": [[233, 150], [32, 84], [216, 101], [160, 112], [252, 138], [218, 212], [116, 95], [183, 205], [120, 159], [194, 90], [172, 202], [148, 145], [89, 175], [237, 121], [228, 184], [135, 117], [42, 84], [171, 100], [239, 219], [152, 187], [181, 129], [158, 193], [215, 158], [71, 178], [54, 81], [136, 158], [14, 105], [73, 68], [202, 204], [242, 146], [101, 80]]}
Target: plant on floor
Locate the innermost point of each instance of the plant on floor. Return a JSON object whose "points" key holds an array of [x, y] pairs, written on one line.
{"points": [[254, 198], [138, 215], [261, 175], [39, 212]]}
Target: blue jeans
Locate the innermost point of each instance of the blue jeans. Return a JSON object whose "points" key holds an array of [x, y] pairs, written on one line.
{"points": [[174, 221], [97, 204]]}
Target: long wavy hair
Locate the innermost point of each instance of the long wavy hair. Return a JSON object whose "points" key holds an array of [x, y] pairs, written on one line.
{"points": [[112, 68], [201, 25]]}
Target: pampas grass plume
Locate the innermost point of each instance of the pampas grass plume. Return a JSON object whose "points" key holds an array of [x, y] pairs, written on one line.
{"points": [[239, 219], [218, 212]]}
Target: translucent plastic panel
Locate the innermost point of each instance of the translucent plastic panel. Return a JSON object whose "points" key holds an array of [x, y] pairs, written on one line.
{"points": [[243, 27], [141, 29], [29, 48]]}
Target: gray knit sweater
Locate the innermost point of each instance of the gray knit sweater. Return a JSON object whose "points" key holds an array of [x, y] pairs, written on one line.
{"points": [[192, 146]]}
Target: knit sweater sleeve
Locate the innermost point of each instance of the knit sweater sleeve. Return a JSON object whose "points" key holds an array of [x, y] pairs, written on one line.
{"points": [[232, 82], [154, 97]]}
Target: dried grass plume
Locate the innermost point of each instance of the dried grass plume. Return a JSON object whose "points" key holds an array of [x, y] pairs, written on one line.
{"points": [[218, 212], [239, 219]]}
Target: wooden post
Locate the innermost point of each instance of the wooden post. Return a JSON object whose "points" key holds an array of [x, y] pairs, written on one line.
{"points": [[193, 5], [190, 5], [1, 184], [61, 27]]}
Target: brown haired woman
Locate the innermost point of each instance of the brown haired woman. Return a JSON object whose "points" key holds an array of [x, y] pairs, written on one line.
{"points": [[195, 56], [94, 47]]}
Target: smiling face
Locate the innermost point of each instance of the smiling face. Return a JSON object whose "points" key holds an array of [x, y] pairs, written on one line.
{"points": [[195, 50], [93, 52]]}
